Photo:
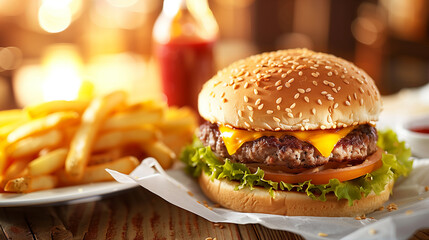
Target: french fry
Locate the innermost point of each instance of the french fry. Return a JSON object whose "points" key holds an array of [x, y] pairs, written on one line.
{"points": [[104, 157], [178, 119], [82, 142], [46, 108], [43, 124], [132, 119], [119, 138], [11, 116], [98, 173], [6, 129], [161, 152], [48, 163], [30, 184], [15, 170], [32, 145]]}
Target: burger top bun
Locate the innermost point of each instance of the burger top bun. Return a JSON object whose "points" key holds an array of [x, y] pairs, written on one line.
{"points": [[295, 89]]}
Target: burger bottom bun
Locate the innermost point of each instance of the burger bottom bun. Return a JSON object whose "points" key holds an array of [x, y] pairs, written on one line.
{"points": [[287, 203]]}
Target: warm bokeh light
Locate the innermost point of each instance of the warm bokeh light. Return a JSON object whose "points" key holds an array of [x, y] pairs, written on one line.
{"points": [[109, 15], [10, 58], [55, 16], [63, 70], [122, 3]]}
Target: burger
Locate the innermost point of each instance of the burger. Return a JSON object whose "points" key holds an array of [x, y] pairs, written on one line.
{"points": [[292, 132]]}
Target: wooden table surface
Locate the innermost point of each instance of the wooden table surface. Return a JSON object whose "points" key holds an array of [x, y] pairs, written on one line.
{"points": [[131, 214]]}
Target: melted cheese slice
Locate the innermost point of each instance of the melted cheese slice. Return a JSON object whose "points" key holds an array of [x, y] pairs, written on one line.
{"points": [[323, 140]]}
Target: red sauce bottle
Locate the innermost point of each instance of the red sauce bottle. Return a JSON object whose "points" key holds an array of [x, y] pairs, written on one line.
{"points": [[184, 36]]}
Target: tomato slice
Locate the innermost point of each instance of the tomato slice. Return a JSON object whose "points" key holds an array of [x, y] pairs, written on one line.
{"points": [[371, 164]]}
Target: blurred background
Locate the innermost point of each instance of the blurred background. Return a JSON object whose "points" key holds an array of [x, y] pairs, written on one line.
{"points": [[63, 49]]}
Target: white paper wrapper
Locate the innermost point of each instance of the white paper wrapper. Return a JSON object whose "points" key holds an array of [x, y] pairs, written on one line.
{"points": [[409, 194]]}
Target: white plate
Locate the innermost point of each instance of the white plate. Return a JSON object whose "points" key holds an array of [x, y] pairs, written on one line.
{"points": [[86, 192]]}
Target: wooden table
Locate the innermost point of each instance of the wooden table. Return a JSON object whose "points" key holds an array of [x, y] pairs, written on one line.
{"points": [[131, 214]]}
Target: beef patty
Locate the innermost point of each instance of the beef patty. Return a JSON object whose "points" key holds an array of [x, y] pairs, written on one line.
{"points": [[290, 152]]}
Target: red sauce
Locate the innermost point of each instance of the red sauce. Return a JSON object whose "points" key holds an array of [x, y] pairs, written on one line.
{"points": [[184, 66], [421, 130]]}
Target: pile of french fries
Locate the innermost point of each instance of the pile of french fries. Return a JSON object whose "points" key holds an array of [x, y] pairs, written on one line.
{"points": [[63, 143]]}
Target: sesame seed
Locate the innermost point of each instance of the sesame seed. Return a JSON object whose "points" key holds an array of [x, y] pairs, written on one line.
{"points": [[361, 101], [288, 72], [329, 118], [300, 73], [346, 81], [223, 95], [258, 101], [315, 74], [361, 90], [313, 111], [334, 90], [247, 124], [308, 90], [325, 82], [246, 85], [300, 90], [250, 119], [279, 88], [260, 106], [330, 98], [347, 103], [355, 96], [250, 108], [287, 85], [300, 115], [300, 67], [339, 88], [290, 115], [276, 119], [324, 92], [292, 105], [270, 111], [330, 74], [291, 80], [246, 99], [240, 79], [279, 100], [240, 113], [302, 128], [306, 99], [288, 110], [335, 105], [284, 75], [323, 127], [319, 101], [296, 96], [278, 107], [278, 83], [255, 91], [331, 84], [343, 76], [349, 98], [235, 86], [314, 83], [328, 67]]}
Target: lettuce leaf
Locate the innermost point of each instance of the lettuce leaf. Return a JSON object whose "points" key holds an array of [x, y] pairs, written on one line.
{"points": [[396, 163]]}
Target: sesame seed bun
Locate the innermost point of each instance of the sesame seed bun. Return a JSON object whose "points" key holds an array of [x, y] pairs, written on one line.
{"points": [[295, 89], [258, 200]]}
